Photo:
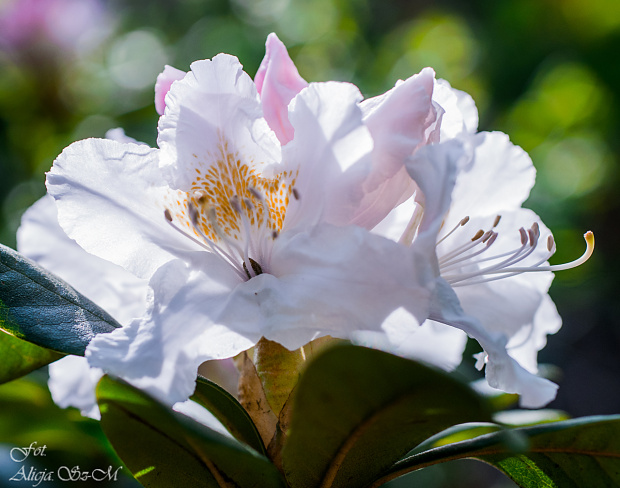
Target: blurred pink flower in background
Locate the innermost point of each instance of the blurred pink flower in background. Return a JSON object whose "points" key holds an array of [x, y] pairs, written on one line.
{"points": [[69, 25]]}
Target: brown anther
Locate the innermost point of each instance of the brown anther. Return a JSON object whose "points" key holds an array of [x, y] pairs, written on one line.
{"points": [[193, 213], [478, 235], [248, 204], [295, 194], [496, 221], [234, 203], [464, 221], [168, 215], [274, 234], [254, 192], [523, 234], [487, 235], [255, 267], [492, 238], [550, 243], [533, 237]]}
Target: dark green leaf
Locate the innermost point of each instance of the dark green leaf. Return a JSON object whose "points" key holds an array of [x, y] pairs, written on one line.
{"points": [[40, 308], [357, 411], [29, 415], [21, 357], [229, 412], [569, 454], [163, 448]]}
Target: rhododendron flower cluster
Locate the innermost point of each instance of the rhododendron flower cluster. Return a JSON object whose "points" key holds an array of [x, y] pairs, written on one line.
{"points": [[281, 209]]}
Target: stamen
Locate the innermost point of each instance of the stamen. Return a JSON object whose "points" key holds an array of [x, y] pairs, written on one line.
{"points": [[496, 221], [505, 269], [209, 246], [412, 226], [247, 262], [295, 194], [477, 235], [460, 224]]}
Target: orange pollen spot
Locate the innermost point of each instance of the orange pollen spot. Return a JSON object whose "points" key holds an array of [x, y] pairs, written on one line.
{"points": [[226, 176]]}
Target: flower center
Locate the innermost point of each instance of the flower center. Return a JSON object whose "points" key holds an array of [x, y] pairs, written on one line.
{"points": [[232, 210]]}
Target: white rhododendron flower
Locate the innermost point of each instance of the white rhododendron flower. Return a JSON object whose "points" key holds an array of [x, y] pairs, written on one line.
{"points": [[491, 255], [252, 218], [290, 210]]}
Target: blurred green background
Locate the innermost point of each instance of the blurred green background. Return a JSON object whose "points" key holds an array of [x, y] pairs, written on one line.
{"points": [[547, 72]]}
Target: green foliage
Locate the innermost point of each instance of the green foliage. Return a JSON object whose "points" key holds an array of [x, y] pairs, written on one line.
{"points": [[40, 308], [568, 454], [357, 411], [229, 412], [163, 448], [70, 439], [21, 357]]}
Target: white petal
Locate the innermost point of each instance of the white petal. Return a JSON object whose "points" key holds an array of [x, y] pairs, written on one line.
{"points": [[336, 281], [213, 116], [332, 148], [118, 134], [524, 347], [498, 178], [431, 342], [502, 371], [110, 199], [434, 169], [108, 285], [161, 352], [72, 384], [460, 113]]}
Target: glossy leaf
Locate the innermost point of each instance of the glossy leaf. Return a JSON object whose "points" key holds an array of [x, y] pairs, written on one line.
{"points": [[40, 308], [357, 411], [21, 357], [569, 454], [163, 448], [229, 412]]}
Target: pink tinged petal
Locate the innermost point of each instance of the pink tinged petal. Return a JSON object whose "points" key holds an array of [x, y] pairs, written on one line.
{"points": [[110, 199], [400, 122], [278, 81], [332, 148], [41, 238], [72, 383], [162, 86], [213, 116], [503, 372]]}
